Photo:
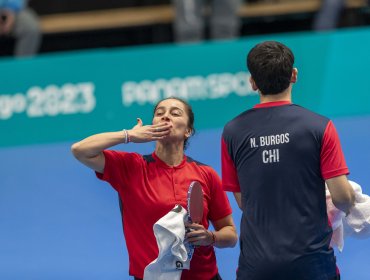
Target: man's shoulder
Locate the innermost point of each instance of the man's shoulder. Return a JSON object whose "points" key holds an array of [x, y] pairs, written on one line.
{"points": [[236, 121], [309, 113]]}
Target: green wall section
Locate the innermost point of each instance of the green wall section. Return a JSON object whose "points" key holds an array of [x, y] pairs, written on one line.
{"points": [[65, 97]]}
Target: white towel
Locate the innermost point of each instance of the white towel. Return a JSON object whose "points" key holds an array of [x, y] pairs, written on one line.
{"points": [[355, 224], [173, 255], [336, 219]]}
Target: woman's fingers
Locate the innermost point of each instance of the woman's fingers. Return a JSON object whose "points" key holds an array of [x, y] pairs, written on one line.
{"points": [[194, 226], [194, 234], [161, 127], [145, 133], [199, 237], [161, 130], [197, 234]]}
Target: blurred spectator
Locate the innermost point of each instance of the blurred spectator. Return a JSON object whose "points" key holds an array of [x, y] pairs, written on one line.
{"points": [[22, 23], [329, 14], [190, 21]]}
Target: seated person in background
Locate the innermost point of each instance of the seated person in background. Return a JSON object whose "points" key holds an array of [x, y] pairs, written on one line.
{"points": [[329, 14], [20, 22], [190, 22]]}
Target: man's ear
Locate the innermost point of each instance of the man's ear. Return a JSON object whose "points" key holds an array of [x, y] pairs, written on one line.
{"points": [[253, 83], [294, 76]]}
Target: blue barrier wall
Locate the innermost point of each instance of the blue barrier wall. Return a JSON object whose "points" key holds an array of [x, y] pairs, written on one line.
{"points": [[68, 96]]}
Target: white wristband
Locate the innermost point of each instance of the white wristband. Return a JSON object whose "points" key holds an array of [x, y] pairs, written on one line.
{"points": [[127, 137]]}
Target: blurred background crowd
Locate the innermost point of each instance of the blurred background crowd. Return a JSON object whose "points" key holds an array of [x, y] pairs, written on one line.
{"points": [[39, 26]]}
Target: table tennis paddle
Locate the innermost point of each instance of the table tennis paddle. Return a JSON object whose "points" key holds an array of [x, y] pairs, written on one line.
{"points": [[195, 202]]}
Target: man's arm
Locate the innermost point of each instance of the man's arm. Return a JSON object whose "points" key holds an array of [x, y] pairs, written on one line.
{"points": [[238, 198], [341, 192]]}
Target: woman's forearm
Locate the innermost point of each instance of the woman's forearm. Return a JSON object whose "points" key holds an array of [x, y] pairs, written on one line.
{"points": [[225, 237], [93, 145]]}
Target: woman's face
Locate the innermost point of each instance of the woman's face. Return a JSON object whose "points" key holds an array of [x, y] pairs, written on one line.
{"points": [[174, 112]]}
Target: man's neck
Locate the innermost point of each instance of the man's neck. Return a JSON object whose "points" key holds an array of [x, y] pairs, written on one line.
{"points": [[283, 96]]}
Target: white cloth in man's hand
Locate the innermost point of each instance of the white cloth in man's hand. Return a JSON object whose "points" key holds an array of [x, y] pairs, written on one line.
{"points": [[355, 224]]}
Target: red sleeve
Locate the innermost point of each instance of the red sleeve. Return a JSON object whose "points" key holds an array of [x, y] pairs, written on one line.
{"points": [[230, 180], [332, 159], [119, 167], [219, 206]]}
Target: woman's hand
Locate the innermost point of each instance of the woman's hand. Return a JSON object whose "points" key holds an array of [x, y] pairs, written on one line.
{"points": [[145, 133], [225, 234], [197, 235]]}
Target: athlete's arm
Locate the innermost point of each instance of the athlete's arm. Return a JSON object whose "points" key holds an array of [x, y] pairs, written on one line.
{"points": [[238, 198], [89, 151], [224, 236], [341, 192]]}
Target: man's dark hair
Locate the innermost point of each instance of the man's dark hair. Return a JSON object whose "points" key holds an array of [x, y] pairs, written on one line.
{"points": [[271, 65], [190, 113]]}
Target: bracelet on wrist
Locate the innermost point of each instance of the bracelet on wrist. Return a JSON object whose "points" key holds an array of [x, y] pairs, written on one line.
{"points": [[126, 136], [213, 238]]}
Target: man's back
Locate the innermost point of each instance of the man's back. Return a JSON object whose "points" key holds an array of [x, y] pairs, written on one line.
{"points": [[276, 159], [276, 149]]}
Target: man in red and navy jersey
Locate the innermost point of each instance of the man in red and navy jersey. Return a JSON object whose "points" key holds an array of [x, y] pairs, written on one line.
{"points": [[276, 158]]}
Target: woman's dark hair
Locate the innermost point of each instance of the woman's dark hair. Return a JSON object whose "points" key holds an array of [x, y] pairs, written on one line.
{"points": [[189, 112], [271, 65]]}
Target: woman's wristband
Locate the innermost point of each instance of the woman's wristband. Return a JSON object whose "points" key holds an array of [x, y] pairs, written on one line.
{"points": [[126, 136], [213, 238]]}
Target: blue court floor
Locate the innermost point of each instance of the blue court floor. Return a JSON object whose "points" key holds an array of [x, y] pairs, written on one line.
{"points": [[57, 221]]}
